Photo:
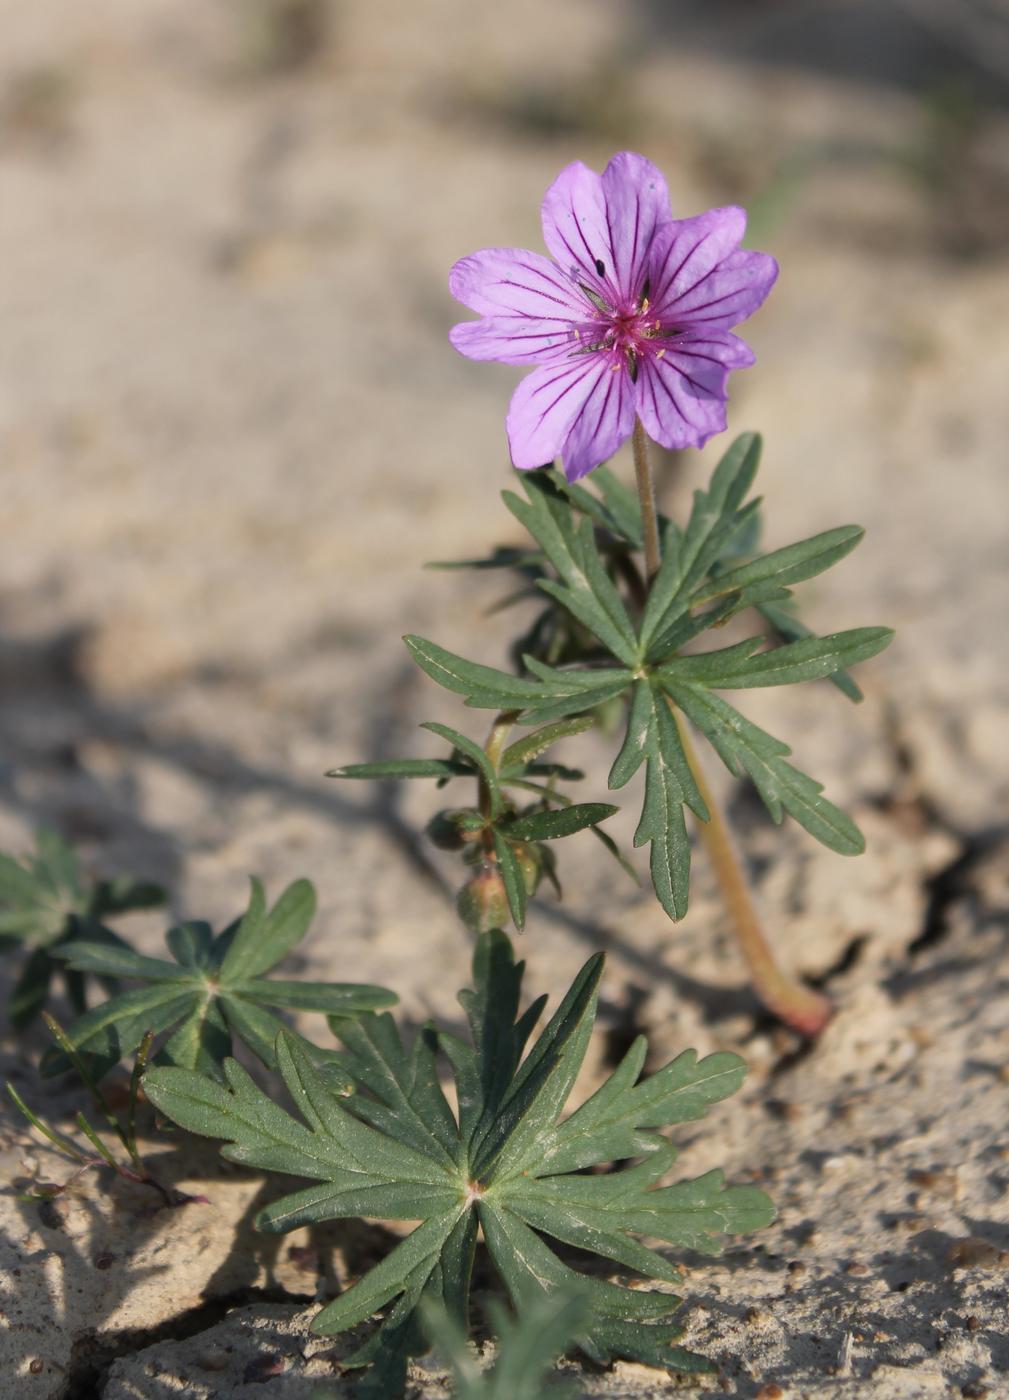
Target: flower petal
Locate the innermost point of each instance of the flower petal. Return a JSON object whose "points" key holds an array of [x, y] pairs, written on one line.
{"points": [[605, 421], [577, 408], [730, 293], [512, 340], [681, 397], [575, 228], [514, 282], [687, 258], [637, 204], [528, 306]]}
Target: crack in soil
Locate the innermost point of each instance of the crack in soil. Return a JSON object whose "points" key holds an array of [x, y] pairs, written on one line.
{"points": [[92, 1357]]}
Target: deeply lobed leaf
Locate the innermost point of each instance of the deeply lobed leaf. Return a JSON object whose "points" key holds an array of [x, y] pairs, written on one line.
{"points": [[507, 1160], [212, 991]]}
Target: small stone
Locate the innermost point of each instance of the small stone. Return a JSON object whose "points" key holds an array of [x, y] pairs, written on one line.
{"points": [[36, 1366], [753, 1315], [856, 1269], [769, 1391], [973, 1324], [105, 1261]]}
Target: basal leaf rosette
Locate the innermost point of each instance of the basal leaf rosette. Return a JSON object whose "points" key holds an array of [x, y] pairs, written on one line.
{"points": [[506, 1163]]}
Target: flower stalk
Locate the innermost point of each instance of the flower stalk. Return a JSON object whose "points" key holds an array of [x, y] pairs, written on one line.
{"points": [[797, 1005]]}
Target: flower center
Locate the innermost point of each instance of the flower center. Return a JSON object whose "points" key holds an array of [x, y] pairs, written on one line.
{"points": [[624, 332]]}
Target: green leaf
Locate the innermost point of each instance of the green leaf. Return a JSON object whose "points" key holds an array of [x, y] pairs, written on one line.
{"points": [[652, 737], [791, 629], [585, 588], [527, 1346], [46, 904], [393, 1149], [743, 747], [785, 566], [499, 689], [734, 668], [715, 520], [212, 991], [513, 877], [622, 504], [263, 939], [476, 755], [554, 693], [549, 826], [404, 768], [530, 746]]}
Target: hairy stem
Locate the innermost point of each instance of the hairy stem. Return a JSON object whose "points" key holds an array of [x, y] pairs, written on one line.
{"points": [[502, 726], [646, 495], [790, 1000]]}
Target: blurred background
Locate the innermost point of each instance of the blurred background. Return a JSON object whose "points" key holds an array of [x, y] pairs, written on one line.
{"points": [[232, 429]]}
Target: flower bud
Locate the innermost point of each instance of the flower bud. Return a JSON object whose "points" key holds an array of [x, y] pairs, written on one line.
{"points": [[482, 902], [447, 829]]}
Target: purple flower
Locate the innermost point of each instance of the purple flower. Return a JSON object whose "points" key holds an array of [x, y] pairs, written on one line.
{"points": [[631, 318]]}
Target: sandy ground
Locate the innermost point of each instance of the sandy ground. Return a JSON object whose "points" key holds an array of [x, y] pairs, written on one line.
{"points": [[232, 432]]}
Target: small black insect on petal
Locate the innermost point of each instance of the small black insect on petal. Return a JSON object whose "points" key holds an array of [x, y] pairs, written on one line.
{"points": [[600, 267]]}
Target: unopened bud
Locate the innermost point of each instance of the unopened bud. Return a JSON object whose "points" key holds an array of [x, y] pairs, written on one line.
{"points": [[451, 829], [482, 902]]}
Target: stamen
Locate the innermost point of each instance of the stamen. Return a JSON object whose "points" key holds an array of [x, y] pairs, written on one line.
{"points": [[660, 353]]}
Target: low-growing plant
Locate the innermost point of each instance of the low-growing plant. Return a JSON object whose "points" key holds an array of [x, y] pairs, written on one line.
{"points": [[628, 333], [505, 1164]]}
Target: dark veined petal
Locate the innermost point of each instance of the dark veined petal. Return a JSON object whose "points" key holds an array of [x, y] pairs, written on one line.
{"points": [[681, 396], [730, 293], [577, 408], [514, 282], [576, 231], [511, 340], [529, 307], [637, 204], [687, 253], [605, 421]]}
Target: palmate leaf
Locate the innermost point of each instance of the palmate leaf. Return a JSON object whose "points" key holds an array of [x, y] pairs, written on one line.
{"points": [[745, 748], [507, 1161], [47, 905], [652, 737], [213, 990]]}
